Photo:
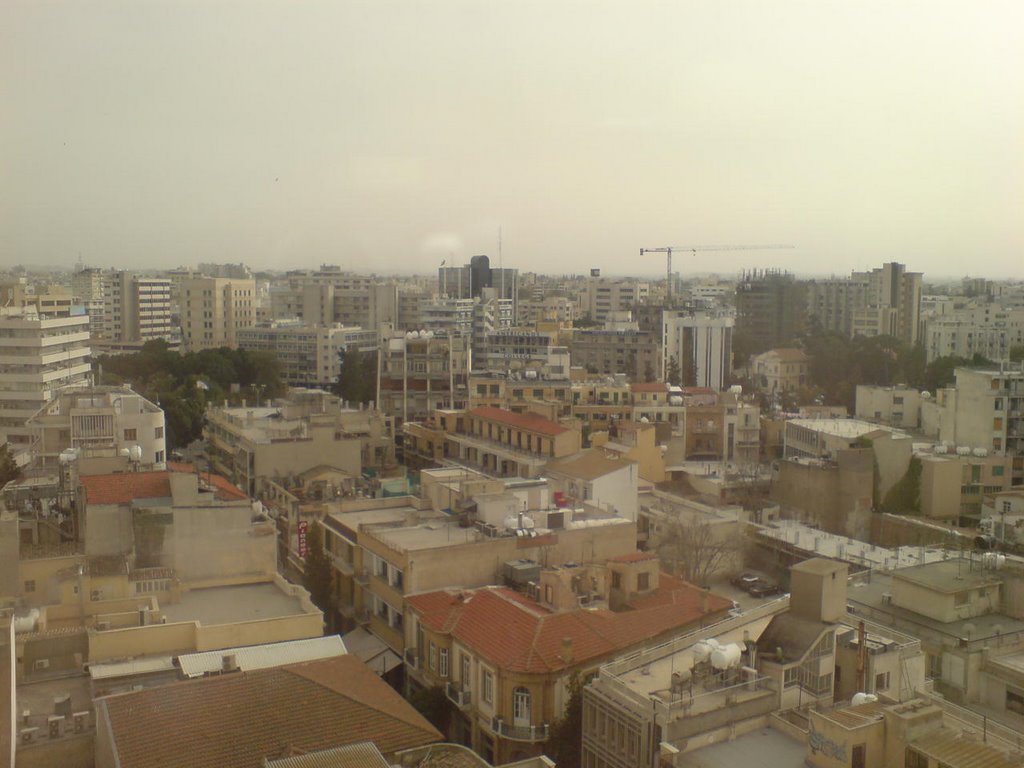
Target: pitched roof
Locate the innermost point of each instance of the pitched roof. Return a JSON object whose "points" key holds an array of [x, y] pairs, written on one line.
{"points": [[125, 487], [789, 354], [521, 636], [237, 719], [530, 421], [589, 464]]}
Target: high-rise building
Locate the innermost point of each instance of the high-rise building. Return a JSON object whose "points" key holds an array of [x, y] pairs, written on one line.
{"points": [[770, 310], [885, 301], [309, 355], [45, 346], [214, 309], [607, 295], [470, 280]]}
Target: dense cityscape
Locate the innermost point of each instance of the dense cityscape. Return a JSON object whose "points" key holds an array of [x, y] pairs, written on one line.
{"points": [[533, 384], [487, 517]]}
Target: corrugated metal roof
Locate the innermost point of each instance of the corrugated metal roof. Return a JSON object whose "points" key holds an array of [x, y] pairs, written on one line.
{"points": [[263, 656], [362, 755], [140, 666]]}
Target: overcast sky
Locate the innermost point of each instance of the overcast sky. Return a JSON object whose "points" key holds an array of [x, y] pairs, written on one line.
{"points": [[388, 136]]}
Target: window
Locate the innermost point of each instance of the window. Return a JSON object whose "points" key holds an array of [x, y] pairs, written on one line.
{"points": [[30, 585], [882, 681], [960, 598], [130, 434], [616, 581], [442, 665], [643, 581], [1015, 700], [521, 706], [791, 677], [465, 672], [487, 687], [433, 656], [158, 432]]}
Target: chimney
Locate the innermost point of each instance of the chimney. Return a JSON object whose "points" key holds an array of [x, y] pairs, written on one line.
{"points": [[567, 650]]}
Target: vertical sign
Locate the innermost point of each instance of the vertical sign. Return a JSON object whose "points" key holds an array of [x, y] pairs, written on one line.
{"points": [[303, 530]]}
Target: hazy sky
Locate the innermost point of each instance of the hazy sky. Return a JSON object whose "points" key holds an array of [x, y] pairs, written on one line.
{"points": [[388, 136]]}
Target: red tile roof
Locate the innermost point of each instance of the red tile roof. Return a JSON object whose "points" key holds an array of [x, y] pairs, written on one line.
{"points": [[634, 557], [237, 719], [125, 487], [529, 421], [225, 490], [521, 636]]}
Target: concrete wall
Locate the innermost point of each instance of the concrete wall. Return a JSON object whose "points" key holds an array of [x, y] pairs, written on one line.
{"points": [[216, 542], [10, 585], [830, 745], [480, 563], [940, 488], [892, 459], [293, 457], [837, 496], [43, 571], [108, 529]]}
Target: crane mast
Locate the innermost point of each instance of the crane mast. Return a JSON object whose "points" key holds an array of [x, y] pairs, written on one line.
{"points": [[667, 250]]}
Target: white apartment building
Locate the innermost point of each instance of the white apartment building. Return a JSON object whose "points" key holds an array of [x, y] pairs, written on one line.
{"points": [[988, 330], [214, 309], [40, 352], [100, 417], [701, 344], [308, 354]]}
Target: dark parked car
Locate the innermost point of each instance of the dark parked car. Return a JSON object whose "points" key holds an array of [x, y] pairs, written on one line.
{"points": [[762, 588], [744, 580]]}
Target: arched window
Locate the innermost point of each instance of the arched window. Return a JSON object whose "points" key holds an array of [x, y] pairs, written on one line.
{"points": [[521, 706]]}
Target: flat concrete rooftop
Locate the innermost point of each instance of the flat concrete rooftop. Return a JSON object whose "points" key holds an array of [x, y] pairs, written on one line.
{"points": [[954, 575], [763, 748], [38, 699], [850, 428], [228, 605]]}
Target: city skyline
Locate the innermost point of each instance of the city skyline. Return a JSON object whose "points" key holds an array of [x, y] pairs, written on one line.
{"points": [[389, 137]]}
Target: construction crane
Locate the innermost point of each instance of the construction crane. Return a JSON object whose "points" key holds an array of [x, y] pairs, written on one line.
{"points": [[668, 249]]}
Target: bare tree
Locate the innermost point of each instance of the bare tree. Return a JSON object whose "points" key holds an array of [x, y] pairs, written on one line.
{"points": [[695, 550]]}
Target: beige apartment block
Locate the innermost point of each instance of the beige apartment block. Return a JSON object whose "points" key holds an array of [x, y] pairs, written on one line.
{"points": [[386, 549], [214, 309]]}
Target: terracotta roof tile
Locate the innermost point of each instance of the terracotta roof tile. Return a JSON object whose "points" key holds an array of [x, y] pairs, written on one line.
{"points": [[521, 636], [530, 421], [125, 487], [235, 720]]}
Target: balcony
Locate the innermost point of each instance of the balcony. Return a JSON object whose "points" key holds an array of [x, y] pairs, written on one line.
{"points": [[457, 696], [518, 732]]}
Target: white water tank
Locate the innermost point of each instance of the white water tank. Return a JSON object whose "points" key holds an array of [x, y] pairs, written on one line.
{"points": [[135, 453], [963, 450], [980, 452], [726, 656], [26, 623], [863, 698], [701, 652]]}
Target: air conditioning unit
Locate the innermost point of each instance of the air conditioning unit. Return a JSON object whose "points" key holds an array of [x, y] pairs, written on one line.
{"points": [[81, 721], [56, 725], [28, 735], [41, 664], [102, 625]]}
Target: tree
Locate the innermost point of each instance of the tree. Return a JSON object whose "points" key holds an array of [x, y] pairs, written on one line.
{"points": [[317, 576], [1017, 353], [357, 382], [565, 740], [649, 373], [695, 550], [673, 375], [9, 469]]}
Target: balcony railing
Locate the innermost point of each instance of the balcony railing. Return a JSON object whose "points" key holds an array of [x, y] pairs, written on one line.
{"points": [[519, 732], [459, 697]]}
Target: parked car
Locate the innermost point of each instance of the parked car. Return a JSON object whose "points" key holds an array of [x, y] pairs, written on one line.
{"points": [[763, 588], [744, 580]]}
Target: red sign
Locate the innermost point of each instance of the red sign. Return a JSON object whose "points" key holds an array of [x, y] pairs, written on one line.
{"points": [[303, 530]]}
